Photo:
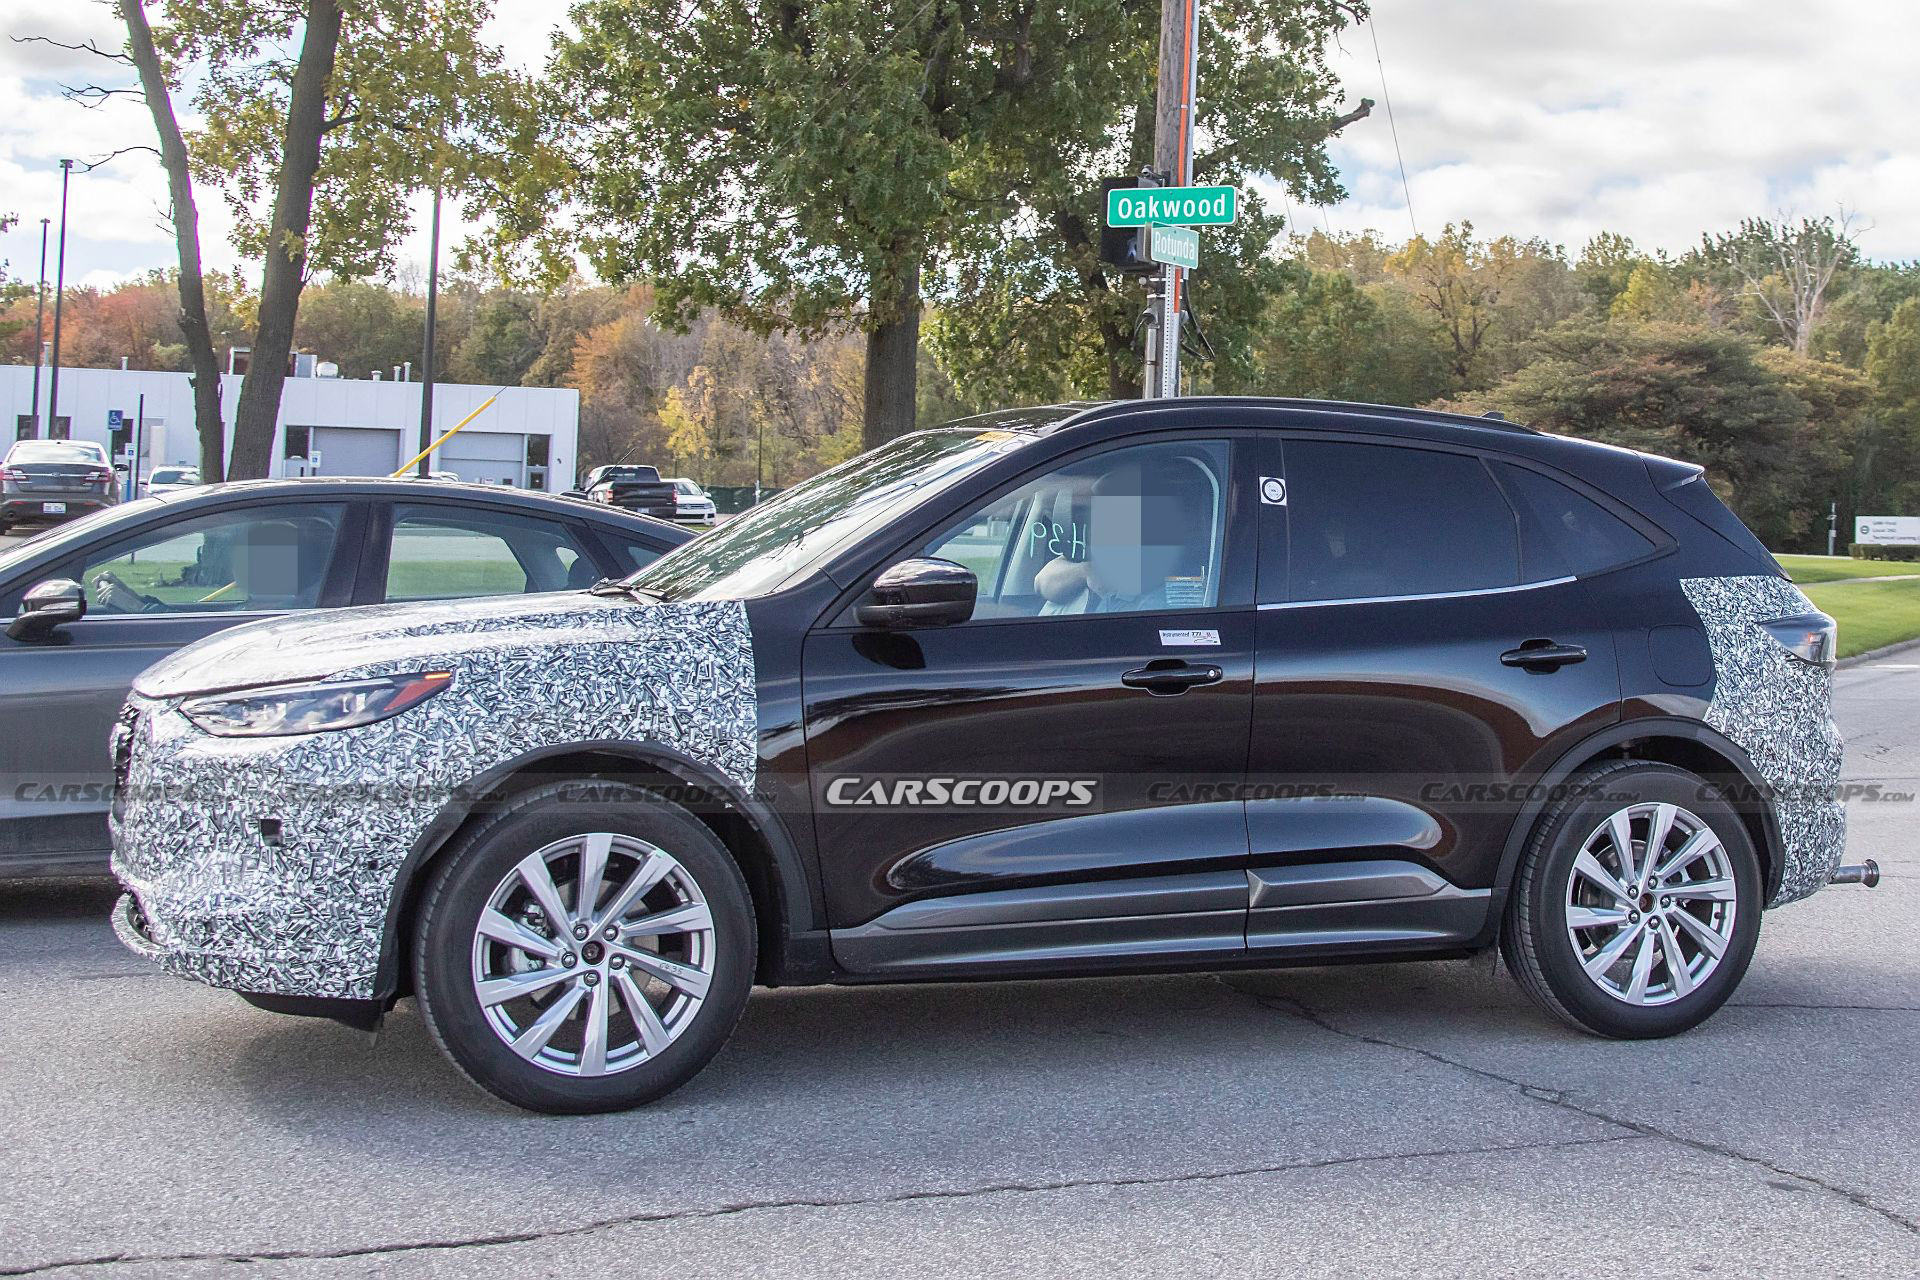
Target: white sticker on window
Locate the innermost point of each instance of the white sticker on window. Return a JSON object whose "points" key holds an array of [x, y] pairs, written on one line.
{"points": [[1174, 638], [1273, 491]]}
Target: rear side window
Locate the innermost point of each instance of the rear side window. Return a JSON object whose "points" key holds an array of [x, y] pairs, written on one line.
{"points": [[1699, 501], [1568, 532], [1383, 520]]}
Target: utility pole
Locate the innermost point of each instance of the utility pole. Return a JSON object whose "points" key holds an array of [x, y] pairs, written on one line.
{"points": [[426, 357], [39, 327], [1172, 156], [59, 292]]}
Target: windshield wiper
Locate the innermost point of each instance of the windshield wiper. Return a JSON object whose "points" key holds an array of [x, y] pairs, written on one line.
{"points": [[615, 587]]}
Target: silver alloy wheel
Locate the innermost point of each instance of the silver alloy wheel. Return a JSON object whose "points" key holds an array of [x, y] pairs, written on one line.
{"points": [[593, 954], [1651, 904]]}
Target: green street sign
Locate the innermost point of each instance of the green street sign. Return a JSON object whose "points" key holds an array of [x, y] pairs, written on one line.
{"points": [[1172, 206], [1175, 246]]}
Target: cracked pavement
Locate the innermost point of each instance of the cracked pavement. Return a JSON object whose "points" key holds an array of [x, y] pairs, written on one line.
{"points": [[1393, 1120]]}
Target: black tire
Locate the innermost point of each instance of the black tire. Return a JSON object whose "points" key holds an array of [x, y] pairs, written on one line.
{"points": [[464, 880], [1536, 941]]}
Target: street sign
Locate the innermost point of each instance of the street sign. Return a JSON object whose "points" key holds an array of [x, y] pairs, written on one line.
{"points": [[1172, 206], [115, 417], [1175, 246]]}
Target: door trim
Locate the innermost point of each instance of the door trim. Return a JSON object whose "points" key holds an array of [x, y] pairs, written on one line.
{"points": [[1429, 595]]}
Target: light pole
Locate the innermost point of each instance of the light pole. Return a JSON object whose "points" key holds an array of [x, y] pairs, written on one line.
{"points": [[59, 290], [426, 356], [39, 328]]}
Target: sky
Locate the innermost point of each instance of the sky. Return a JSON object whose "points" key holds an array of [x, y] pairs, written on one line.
{"points": [[1551, 118]]}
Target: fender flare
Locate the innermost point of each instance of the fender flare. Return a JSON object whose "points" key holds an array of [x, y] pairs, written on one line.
{"points": [[800, 894], [1614, 735]]}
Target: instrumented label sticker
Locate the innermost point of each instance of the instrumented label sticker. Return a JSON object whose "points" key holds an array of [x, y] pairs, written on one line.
{"points": [[1176, 638], [1273, 491]]}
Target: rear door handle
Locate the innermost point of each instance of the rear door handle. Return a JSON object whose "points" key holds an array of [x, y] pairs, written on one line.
{"points": [[1544, 655], [1167, 676]]}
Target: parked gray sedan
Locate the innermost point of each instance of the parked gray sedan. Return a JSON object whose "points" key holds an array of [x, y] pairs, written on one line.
{"points": [[94, 603], [54, 480]]}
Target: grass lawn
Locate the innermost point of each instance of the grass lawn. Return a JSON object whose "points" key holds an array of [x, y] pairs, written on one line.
{"points": [[1870, 614], [1805, 569]]}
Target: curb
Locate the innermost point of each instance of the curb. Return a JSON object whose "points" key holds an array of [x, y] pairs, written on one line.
{"points": [[1884, 651]]}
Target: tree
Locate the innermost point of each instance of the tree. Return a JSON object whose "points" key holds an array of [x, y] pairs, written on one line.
{"points": [[1700, 395], [1458, 282], [1893, 374], [320, 117], [854, 141], [862, 146], [1028, 311], [1786, 269], [1325, 336], [364, 328], [1606, 267]]}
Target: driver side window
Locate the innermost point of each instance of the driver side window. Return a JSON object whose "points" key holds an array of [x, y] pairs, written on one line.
{"points": [[257, 560], [1135, 530]]}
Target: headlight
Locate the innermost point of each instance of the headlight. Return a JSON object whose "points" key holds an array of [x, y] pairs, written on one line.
{"points": [[312, 708], [1810, 637]]}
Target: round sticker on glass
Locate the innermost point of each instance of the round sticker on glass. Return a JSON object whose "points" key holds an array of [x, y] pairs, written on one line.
{"points": [[1273, 491]]}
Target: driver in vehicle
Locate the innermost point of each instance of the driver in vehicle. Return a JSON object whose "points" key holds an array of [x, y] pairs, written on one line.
{"points": [[1148, 536], [274, 567]]}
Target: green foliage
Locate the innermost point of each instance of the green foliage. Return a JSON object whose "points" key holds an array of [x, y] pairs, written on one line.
{"points": [[1699, 395], [363, 328], [1324, 335], [415, 97]]}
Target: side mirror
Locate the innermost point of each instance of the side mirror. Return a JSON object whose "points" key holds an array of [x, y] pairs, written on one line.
{"points": [[47, 605], [919, 593]]}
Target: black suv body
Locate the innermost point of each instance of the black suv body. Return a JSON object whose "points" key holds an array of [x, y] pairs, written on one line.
{"points": [[1183, 684]]}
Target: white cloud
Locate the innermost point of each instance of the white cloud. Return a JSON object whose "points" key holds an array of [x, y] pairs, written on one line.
{"points": [[1561, 118]]}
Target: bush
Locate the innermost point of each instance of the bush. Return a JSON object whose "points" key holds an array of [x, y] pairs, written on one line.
{"points": [[1873, 551]]}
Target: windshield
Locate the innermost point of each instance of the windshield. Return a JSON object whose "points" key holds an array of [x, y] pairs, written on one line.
{"points": [[770, 545], [169, 475], [56, 451]]}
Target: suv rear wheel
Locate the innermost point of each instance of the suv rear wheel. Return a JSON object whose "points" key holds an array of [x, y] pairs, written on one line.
{"points": [[1637, 903], [589, 948]]}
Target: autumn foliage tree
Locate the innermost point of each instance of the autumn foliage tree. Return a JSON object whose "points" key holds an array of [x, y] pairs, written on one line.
{"points": [[316, 121]]}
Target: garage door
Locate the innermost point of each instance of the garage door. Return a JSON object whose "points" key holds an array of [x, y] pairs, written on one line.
{"points": [[356, 451], [485, 457]]}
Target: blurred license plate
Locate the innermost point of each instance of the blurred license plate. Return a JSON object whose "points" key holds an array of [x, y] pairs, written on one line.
{"points": [[53, 508]]}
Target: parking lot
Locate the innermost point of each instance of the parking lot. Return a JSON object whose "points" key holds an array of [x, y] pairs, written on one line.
{"points": [[1369, 1120]]}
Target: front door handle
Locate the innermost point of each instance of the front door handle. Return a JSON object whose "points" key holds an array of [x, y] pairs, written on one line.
{"points": [[1164, 677], [1544, 655]]}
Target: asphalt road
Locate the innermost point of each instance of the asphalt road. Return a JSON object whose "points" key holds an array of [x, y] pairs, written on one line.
{"points": [[1394, 1121]]}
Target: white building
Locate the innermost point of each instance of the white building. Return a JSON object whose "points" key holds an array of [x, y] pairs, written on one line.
{"points": [[327, 427]]}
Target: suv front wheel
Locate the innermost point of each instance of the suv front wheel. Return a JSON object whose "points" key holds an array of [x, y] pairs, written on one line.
{"points": [[589, 948], [1637, 903]]}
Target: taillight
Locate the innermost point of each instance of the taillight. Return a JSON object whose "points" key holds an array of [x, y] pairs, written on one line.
{"points": [[1810, 637], [18, 477], [102, 477]]}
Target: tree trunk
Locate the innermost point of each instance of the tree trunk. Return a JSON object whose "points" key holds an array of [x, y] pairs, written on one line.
{"points": [[186, 236], [893, 354], [285, 271]]}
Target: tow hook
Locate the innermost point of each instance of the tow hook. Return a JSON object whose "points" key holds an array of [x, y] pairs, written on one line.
{"points": [[1866, 874]]}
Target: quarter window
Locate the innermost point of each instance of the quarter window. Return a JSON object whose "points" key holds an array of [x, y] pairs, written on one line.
{"points": [[1137, 530], [1575, 534], [444, 553], [1370, 521], [259, 559]]}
